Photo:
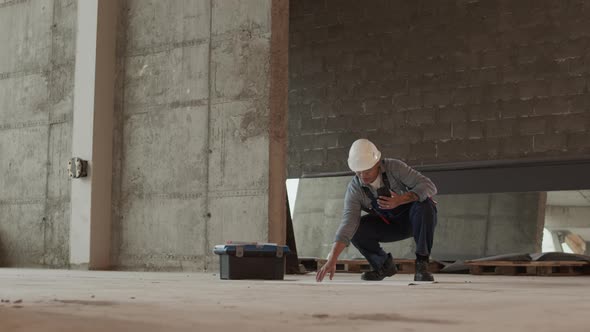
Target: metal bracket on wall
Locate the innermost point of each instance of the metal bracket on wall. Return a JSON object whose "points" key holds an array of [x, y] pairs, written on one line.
{"points": [[77, 168]]}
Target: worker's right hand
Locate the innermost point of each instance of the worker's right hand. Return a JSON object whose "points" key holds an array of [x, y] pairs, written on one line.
{"points": [[329, 267]]}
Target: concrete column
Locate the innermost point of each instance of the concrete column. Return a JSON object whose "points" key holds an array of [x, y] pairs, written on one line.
{"points": [[90, 228]]}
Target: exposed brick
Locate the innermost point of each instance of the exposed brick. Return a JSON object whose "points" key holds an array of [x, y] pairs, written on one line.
{"points": [[517, 108], [546, 68], [328, 140], [336, 123], [532, 126], [391, 121], [320, 80], [484, 112], [420, 151], [408, 102], [516, 146], [343, 90], [337, 154], [365, 58], [483, 148], [295, 9], [321, 20], [437, 98], [362, 122], [555, 105], [317, 168], [549, 142], [406, 135], [313, 157], [398, 151], [373, 90], [482, 42], [578, 66], [320, 109], [534, 89], [500, 128], [503, 92], [579, 28], [466, 61], [467, 130], [315, 93], [385, 137], [477, 79], [322, 49], [571, 48], [312, 126], [451, 149], [303, 141], [346, 139], [495, 58], [580, 104], [377, 106], [318, 37], [484, 76], [452, 114], [421, 117], [570, 123], [471, 95], [437, 132], [579, 141], [310, 67], [349, 107], [516, 74], [568, 86]]}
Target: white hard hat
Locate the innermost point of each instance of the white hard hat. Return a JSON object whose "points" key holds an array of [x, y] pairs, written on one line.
{"points": [[363, 155]]}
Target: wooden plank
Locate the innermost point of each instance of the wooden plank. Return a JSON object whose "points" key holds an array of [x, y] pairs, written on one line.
{"points": [[548, 268], [309, 263], [521, 263], [404, 266]]}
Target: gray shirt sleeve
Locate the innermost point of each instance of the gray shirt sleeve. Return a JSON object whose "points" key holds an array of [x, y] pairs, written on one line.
{"points": [[351, 214]]}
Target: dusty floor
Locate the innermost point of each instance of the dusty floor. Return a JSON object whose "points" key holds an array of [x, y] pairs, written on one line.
{"points": [[55, 300]]}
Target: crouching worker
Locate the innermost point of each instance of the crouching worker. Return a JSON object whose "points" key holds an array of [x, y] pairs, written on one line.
{"points": [[398, 201]]}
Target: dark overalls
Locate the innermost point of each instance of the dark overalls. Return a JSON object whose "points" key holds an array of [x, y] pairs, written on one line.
{"points": [[416, 219]]}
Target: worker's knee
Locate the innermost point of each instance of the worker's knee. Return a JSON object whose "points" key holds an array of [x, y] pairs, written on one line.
{"points": [[424, 212]]}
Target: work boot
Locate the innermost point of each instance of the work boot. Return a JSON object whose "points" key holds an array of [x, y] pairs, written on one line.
{"points": [[422, 273], [387, 270]]}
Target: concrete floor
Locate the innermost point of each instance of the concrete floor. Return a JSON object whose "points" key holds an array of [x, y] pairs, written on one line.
{"points": [[57, 300]]}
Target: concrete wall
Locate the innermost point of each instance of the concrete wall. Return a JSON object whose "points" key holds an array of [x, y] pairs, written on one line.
{"points": [[192, 135], [438, 81], [36, 91], [575, 219], [469, 226]]}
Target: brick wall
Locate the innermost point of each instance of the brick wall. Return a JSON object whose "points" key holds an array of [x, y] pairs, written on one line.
{"points": [[438, 81]]}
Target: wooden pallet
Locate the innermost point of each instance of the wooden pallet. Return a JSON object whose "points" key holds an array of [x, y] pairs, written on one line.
{"points": [[546, 268], [404, 266]]}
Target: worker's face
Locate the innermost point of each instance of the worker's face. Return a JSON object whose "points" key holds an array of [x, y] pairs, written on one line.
{"points": [[369, 175]]}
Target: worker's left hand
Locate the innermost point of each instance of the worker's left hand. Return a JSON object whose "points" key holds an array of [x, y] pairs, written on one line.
{"points": [[328, 269], [388, 203]]}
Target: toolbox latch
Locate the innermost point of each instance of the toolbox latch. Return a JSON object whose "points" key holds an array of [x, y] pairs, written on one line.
{"points": [[239, 251], [279, 251]]}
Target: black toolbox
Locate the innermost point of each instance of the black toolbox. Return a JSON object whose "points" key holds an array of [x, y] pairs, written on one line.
{"points": [[251, 260]]}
